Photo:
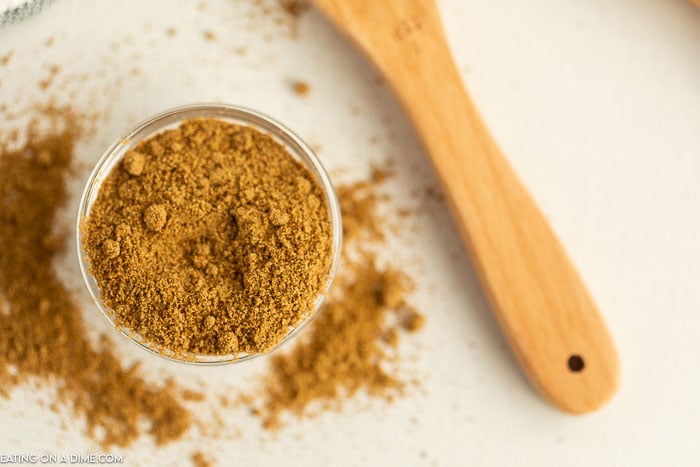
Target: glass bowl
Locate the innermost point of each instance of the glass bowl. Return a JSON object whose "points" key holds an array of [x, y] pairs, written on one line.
{"points": [[171, 119]]}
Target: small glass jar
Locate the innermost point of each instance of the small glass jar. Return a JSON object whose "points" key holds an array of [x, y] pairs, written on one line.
{"points": [[169, 119]]}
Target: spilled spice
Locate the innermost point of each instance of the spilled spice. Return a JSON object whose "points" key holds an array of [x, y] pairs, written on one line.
{"points": [[351, 345], [284, 13], [210, 239], [358, 205], [294, 8], [41, 331], [201, 460], [42, 334], [54, 70], [301, 88], [413, 321]]}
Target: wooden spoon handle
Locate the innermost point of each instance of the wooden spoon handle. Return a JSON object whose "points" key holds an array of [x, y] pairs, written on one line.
{"points": [[542, 305]]}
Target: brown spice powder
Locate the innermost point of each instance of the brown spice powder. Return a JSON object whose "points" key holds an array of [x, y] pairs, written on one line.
{"points": [[41, 331], [301, 88], [5, 59], [345, 352], [294, 8], [358, 204], [210, 239], [351, 344], [199, 459]]}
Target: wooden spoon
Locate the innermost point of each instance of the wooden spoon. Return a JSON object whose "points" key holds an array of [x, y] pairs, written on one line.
{"points": [[541, 303]]}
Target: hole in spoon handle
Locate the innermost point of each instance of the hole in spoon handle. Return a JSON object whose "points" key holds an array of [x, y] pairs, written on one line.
{"points": [[576, 363]]}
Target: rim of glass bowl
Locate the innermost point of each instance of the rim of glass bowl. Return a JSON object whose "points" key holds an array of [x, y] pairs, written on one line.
{"points": [[170, 119]]}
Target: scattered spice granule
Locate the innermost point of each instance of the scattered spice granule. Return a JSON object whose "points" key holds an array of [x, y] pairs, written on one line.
{"points": [[358, 204], [41, 331], [191, 395], [434, 193], [285, 13], [350, 344], [405, 212], [54, 70], [380, 174], [413, 321], [301, 88], [391, 337], [209, 36], [5, 59], [201, 460], [171, 32], [224, 240], [295, 8]]}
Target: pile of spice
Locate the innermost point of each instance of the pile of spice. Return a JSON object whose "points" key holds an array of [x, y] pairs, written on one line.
{"points": [[41, 331], [209, 239], [349, 348], [351, 345]]}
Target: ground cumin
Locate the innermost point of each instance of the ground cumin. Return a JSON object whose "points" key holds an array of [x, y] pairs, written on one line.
{"points": [[294, 8], [351, 345], [199, 459], [209, 239], [41, 331], [358, 205], [5, 59], [301, 88]]}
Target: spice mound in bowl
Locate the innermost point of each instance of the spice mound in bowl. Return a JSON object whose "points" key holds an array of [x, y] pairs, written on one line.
{"points": [[209, 239]]}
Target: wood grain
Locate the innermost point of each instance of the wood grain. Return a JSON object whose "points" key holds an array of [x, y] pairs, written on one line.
{"points": [[541, 303]]}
